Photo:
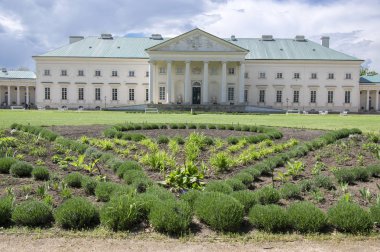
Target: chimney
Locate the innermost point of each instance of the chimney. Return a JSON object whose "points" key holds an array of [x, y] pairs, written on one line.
{"points": [[233, 38], [325, 41], [74, 39], [156, 37], [267, 37], [4, 70]]}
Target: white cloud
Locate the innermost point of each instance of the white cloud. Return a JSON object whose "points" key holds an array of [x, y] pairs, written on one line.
{"points": [[11, 24]]}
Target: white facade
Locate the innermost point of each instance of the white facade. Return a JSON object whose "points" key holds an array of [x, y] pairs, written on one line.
{"points": [[197, 68]]}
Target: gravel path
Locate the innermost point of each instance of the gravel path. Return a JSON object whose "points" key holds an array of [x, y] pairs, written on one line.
{"points": [[10, 242]]}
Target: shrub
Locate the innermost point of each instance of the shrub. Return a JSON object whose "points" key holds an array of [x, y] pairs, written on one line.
{"points": [[74, 180], [104, 190], [306, 218], [221, 127], [179, 140], [126, 166], [236, 184], [77, 213], [6, 163], [202, 126], [142, 184], [374, 170], [192, 126], [362, 173], [173, 126], [6, 208], [171, 216], [270, 218], [181, 126], [267, 195], [89, 185], [21, 169], [219, 211], [32, 214], [160, 193], [130, 176], [208, 140], [121, 213], [211, 126], [218, 186], [163, 140], [232, 139], [290, 191], [190, 197], [246, 198], [322, 181], [306, 185], [230, 127], [350, 217], [41, 173], [245, 177], [375, 214]]}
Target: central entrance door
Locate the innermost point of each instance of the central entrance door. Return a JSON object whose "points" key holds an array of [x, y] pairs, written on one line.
{"points": [[196, 95]]}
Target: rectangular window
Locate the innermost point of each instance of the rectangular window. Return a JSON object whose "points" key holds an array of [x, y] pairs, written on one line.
{"points": [[246, 76], [47, 93], [64, 93], [279, 76], [80, 94], [313, 96], [97, 94], [131, 94], [163, 71], [230, 93], [347, 96], [231, 70], [296, 96], [147, 74], [63, 72], [331, 76], [147, 94], [179, 70], [80, 73], [114, 94], [262, 96], [47, 72], [131, 73], [279, 96], [114, 73], [162, 93], [246, 95], [296, 75], [314, 76], [330, 96], [98, 73], [348, 76], [261, 75]]}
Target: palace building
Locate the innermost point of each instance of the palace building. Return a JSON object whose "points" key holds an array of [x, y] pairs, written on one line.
{"points": [[197, 68]]}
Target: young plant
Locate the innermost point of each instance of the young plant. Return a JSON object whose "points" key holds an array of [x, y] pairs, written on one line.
{"points": [[365, 194], [318, 196], [186, 177], [294, 168]]}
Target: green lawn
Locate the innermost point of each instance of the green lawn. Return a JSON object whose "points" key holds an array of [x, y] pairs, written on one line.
{"points": [[364, 122]]}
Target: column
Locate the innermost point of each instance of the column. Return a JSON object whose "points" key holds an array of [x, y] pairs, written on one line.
{"points": [[187, 87], [367, 105], [377, 100], [169, 98], [223, 86], [205, 83], [9, 96], [27, 94], [151, 87], [241, 82], [18, 96]]}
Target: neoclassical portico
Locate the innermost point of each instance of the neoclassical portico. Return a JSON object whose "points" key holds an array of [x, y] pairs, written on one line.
{"points": [[196, 68]]}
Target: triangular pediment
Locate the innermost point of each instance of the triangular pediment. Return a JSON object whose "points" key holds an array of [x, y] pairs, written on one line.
{"points": [[196, 41]]}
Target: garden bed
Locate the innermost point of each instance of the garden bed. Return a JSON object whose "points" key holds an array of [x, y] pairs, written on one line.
{"points": [[181, 178]]}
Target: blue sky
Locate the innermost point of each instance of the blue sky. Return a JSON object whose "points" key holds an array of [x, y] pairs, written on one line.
{"points": [[30, 28]]}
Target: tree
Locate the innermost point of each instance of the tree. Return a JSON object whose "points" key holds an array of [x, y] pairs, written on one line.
{"points": [[366, 71]]}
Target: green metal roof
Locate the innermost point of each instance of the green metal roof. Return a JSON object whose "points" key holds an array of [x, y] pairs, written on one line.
{"points": [[17, 75], [370, 79], [277, 49], [288, 49]]}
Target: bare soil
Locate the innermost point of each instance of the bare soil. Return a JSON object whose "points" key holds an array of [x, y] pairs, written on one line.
{"points": [[30, 243]]}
